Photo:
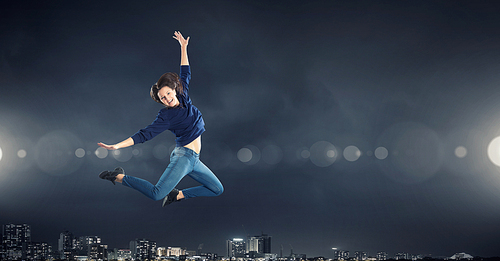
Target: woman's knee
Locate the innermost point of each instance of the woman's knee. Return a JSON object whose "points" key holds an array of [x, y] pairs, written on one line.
{"points": [[220, 190], [158, 194]]}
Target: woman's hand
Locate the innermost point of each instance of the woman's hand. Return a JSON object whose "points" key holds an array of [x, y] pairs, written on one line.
{"points": [[108, 147], [184, 43], [178, 36], [126, 143]]}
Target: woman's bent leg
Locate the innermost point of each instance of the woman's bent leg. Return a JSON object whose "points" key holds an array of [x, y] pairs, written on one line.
{"points": [[211, 185], [180, 165]]}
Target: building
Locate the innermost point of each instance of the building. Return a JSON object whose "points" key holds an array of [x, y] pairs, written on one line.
{"points": [[403, 256], [360, 255], [97, 252], [15, 241], [83, 243], [341, 255], [67, 245], [143, 249], [259, 244], [38, 251], [236, 247], [381, 255], [170, 252], [119, 254]]}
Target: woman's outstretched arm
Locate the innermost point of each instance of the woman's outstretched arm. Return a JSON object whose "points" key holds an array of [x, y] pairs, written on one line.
{"points": [[184, 43], [126, 143]]}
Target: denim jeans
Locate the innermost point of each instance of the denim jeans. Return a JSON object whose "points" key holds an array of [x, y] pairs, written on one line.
{"points": [[183, 161]]}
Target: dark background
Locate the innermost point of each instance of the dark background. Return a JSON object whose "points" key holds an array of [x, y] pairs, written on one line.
{"points": [[281, 78]]}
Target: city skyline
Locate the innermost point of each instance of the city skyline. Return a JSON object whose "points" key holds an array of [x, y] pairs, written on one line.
{"points": [[246, 248], [361, 125]]}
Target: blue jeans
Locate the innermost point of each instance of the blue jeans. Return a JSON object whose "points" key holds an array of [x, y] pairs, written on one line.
{"points": [[183, 161]]}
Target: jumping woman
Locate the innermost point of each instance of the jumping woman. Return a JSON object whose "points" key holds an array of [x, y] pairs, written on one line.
{"points": [[185, 120]]}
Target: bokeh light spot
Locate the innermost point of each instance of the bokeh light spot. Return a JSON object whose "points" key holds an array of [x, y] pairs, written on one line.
{"points": [[494, 151], [160, 151], [305, 154], [54, 153], [352, 153], [460, 152], [244, 155], [1, 153], [272, 154], [80, 153], [101, 152], [123, 155], [420, 154], [381, 153], [322, 152], [249, 155], [22, 154]]}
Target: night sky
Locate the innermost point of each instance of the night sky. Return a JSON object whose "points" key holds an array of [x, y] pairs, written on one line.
{"points": [[360, 125]]}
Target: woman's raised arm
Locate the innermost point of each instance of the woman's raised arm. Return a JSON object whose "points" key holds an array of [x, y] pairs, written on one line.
{"points": [[184, 43]]}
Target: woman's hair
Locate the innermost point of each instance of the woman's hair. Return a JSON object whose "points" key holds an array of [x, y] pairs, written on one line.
{"points": [[170, 80]]}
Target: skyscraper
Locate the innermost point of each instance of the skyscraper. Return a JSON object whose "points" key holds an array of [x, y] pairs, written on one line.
{"points": [[259, 244], [15, 240], [236, 247], [97, 252], [143, 249], [67, 245]]}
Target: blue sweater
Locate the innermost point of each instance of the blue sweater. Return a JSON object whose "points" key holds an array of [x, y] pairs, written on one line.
{"points": [[185, 121]]}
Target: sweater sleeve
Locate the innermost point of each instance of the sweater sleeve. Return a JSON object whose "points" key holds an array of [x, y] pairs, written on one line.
{"points": [[185, 76], [158, 126]]}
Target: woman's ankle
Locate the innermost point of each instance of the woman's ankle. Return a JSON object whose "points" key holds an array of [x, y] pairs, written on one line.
{"points": [[180, 195], [119, 178]]}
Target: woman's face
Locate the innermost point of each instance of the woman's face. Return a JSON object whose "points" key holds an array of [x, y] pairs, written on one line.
{"points": [[168, 97]]}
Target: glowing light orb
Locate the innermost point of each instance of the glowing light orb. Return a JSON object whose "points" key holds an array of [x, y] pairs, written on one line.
{"points": [[272, 154], [54, 152], [80, 153], [352, 153], [323, 154], [160, 151], [124, 155], [305, 154], [494, 151], [381, 153], [460, 152], [244, 155], [417, 152], [249, 155], [22, 154], [101, 152], [1, 154]]}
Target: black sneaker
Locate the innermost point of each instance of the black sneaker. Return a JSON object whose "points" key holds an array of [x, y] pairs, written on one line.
{"points": [[171, 197], [111, 175]]}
